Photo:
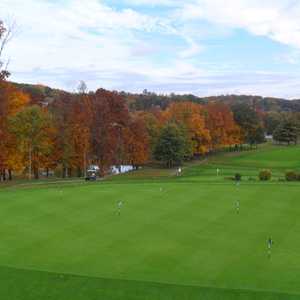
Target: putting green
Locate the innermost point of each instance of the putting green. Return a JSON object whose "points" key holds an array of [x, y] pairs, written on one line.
{"points": [[179, 238]]}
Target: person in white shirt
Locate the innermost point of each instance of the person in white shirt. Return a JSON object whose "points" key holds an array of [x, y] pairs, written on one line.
{"points": [[120, 204], [237, 206], [179, 171]]}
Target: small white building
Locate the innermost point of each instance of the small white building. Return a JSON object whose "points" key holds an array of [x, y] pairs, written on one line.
{"points": [[122, 169]]}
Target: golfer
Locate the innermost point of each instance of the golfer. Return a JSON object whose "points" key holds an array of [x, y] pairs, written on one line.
{"points": [[179, 171], [269, 245], [120, 204], [237, 206]]}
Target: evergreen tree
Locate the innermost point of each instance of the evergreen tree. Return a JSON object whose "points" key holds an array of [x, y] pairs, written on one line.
{"points": [[286, 132]]}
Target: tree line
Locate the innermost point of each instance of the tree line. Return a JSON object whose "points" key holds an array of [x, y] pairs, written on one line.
{"points": [[79, 129]]}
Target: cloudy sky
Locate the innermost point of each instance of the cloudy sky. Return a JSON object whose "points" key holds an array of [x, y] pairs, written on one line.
{"points": [[204, 47]]}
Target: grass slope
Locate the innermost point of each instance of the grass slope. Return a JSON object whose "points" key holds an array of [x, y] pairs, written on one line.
{"points": [[249, 163], [185, 237]]}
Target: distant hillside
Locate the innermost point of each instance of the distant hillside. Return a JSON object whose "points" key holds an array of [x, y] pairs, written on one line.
{"points": [[40, 94], [148, 100]]}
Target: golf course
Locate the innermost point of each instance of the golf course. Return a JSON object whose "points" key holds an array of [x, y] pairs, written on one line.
{"points": [[175, 237]]}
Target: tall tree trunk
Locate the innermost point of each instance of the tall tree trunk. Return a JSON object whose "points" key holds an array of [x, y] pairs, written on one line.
{"points": [[30, 162], [36, 172], [9, 174], [63, 174], [84, 164]]}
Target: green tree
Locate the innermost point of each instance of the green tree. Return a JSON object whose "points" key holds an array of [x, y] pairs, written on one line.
{"points": [[33, 131], [286, 132], [272, 120], [173, 145], [256, 136], [247, 118]]}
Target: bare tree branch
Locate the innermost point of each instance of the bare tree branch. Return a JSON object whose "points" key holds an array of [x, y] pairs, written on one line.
{"points": [[6, 34]]}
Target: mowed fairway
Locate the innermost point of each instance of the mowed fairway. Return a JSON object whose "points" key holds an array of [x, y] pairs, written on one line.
{"points": [[185, 241]]}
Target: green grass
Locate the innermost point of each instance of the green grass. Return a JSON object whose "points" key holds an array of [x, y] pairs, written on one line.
{"points": [[148, 173], [249, 163], [184, 242], [52, 286]]}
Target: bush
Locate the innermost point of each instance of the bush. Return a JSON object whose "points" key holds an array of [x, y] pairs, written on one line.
{"points": [[265, 175], [237, 177], [291, 176]]}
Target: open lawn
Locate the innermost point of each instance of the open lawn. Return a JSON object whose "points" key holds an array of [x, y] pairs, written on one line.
{"points": [[176, 238]]}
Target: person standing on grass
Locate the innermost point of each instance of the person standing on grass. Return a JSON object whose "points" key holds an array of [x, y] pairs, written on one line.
{"points": [[120, 204], [237, 206], [179, 171], [269, 244]]}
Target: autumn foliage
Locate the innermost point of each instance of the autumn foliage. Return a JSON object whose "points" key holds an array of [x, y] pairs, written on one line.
{"points": [[12, 101], [80, 129]]}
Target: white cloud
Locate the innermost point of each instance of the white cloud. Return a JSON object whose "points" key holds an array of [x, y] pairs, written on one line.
{"points": [[59, 44], [275, 19], [193, 49], [168, 3], [78, 35]]}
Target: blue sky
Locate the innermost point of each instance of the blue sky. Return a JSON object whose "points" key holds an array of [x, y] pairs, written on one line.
{"points": [[204, 47]]}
